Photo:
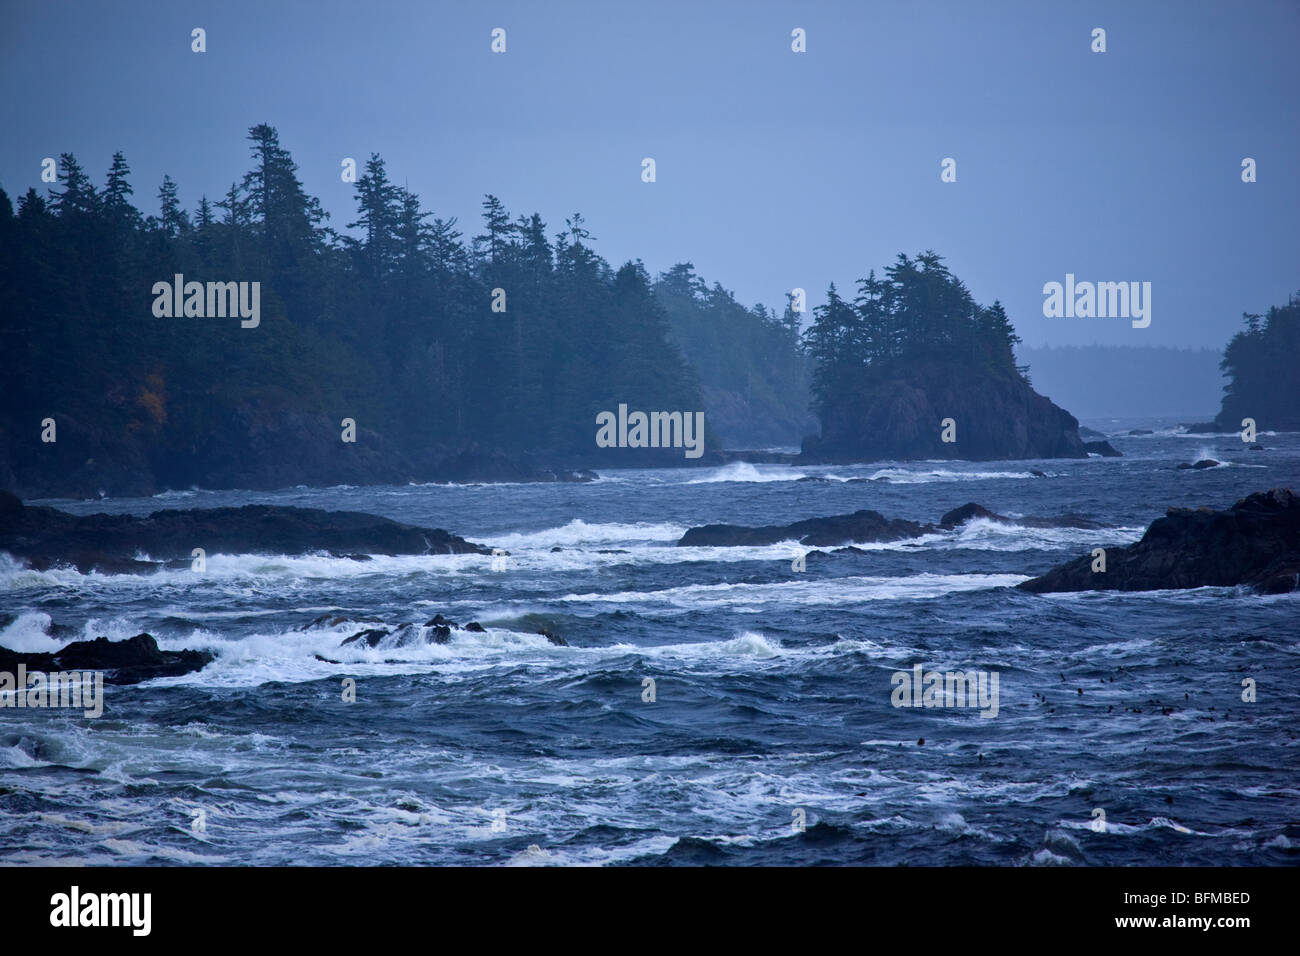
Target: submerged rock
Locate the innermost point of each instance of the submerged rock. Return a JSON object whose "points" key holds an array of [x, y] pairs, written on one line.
{"points": [[553, 638], [1200, 465], [1255, 543]]}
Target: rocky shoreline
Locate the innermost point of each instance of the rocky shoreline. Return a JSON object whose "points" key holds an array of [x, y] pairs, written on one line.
{"points": [[1255, 543]]}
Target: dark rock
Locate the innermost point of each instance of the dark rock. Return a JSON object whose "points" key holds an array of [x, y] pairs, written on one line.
{"points": [[46, 536], [1255, 543], [1102, 448], [1142, 431], [966, 512], [130, 661], [839, 529], [898, 414], [436, 631], [370, 637], [1200, 465], [330, 619], [1037, 474], [553, 638], [475, 627]]}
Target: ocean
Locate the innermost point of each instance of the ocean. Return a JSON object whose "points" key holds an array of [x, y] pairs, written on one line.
{"points": [[713, 705]]}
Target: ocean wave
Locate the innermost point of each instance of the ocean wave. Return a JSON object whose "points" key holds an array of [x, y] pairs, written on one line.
{"points": [[578, 532], [837, 591], [908, 476]]}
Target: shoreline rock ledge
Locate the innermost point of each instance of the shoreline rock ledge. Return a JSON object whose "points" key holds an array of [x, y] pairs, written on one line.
{"points": [[46, 537], [1255, 543]]}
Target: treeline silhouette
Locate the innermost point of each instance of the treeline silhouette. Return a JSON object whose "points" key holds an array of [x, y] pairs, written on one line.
{"points": [[393, 326], [1261, 363]]}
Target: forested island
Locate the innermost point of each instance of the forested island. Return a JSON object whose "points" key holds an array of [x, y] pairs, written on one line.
{"points": [[1260, 364], [913, 367]]}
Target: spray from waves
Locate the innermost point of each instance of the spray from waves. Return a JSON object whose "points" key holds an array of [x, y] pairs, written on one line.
{"points": [[34, 632], [982, 534], [747, 644], [29, 633], [743, 471]]}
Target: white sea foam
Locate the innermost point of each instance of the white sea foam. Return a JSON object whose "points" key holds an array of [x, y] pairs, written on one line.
{"points": [[744, 471], [29, 633], [909, 476]]}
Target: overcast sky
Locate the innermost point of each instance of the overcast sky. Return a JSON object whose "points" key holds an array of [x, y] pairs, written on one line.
{"points": [[775, 169]]}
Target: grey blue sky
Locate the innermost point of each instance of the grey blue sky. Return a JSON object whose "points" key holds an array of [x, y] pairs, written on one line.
{"points": [[775, 169]]}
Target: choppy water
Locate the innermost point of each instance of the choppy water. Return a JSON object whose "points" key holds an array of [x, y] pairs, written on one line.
{"points": [[772, 687]]}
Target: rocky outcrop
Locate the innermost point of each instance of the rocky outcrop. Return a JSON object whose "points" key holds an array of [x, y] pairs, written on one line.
{"points": [[898, 416], [436, 630], [861, 526], [110, 543], [1255, 543], [971, 511], [839, 529], [1103, 448], [1200, 465], [130, 661]]}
